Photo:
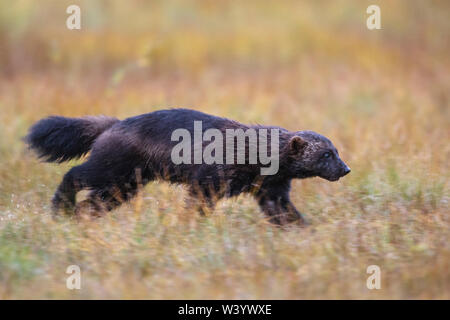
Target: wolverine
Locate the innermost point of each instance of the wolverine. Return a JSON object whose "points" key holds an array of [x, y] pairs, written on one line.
{"points": [[126, 155]]}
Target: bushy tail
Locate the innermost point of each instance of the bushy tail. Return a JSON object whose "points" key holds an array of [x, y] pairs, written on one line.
{"points": [[59, 139]]}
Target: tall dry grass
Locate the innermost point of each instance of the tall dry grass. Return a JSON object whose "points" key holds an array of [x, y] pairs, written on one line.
{"points": [[381, 96]]}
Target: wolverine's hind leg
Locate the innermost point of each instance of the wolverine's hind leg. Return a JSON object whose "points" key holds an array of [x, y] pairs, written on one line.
{"points": [[113, 173], [106, 199], [65, 196]]}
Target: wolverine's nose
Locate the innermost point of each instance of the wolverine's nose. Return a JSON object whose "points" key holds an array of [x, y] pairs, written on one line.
{"points": [[346, 170]]}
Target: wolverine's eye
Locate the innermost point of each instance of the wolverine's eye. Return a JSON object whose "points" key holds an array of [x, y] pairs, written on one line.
{"points": [[327, 155]]}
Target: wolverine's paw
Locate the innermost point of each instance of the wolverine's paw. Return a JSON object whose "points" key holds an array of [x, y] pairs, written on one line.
{"points": [[302, 222], [61, 208], [88, 210], [287, 221]]}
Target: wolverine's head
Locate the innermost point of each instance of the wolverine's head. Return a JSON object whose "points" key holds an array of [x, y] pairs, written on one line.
{"points": [[312, 154]]}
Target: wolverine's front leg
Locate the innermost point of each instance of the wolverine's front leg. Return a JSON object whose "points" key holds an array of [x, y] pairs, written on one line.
{"points": [[293, 212], [279, 209]]}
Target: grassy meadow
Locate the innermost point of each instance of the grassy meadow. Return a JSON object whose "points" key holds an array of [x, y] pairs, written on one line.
{"points": [[381, 96]]}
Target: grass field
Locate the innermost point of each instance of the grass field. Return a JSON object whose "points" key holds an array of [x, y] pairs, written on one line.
{"points": [[382, 97]]}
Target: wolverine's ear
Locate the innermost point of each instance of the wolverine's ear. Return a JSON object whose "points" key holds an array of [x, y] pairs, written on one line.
{"points": [[296, 145]]}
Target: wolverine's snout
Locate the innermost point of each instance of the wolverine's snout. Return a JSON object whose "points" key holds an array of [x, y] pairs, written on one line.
{"points": [[346, 171]]}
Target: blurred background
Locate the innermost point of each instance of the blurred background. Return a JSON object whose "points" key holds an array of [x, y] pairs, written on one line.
{"points": [[382, 96]]}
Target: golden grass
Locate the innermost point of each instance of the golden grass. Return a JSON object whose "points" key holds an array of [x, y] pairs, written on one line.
{"points": [[381, 96]]}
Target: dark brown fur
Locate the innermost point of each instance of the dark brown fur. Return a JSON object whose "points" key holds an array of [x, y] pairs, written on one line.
{"points": [[127, 154]]}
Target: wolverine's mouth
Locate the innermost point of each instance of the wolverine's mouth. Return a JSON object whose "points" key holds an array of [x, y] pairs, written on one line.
{"points": [[333, 178], [336, 178]]}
